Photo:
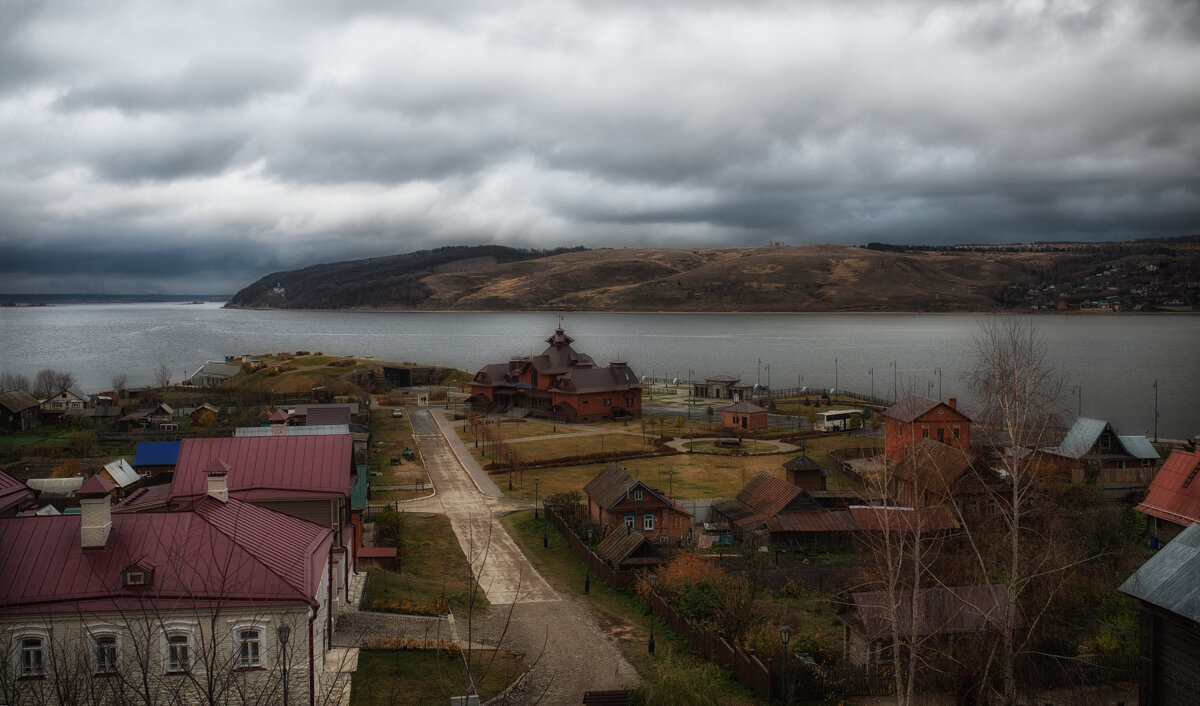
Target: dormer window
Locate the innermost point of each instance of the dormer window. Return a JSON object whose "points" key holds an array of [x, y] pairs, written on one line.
{"points": [[136, 576]]}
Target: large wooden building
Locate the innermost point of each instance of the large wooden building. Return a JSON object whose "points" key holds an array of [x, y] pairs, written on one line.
{"points": [[561, 383]]}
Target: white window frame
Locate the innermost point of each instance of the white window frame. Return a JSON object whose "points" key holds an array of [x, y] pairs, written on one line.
{"points": [[169, 631], [638, 495], [18, 651], [628, 520], [237, 641], [648, 521], [94, 636]]}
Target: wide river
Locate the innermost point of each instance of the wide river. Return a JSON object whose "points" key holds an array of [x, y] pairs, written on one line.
{"points": [[1111, 362]]}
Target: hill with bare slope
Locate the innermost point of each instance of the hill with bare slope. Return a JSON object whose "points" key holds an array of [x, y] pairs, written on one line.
{"points": [[819, 278]]}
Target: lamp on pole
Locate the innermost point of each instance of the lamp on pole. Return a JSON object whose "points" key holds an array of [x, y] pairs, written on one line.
{"points": [[670, 482], [691, 388], [535, 497], [871, 374], [1156, 410], [284, 631], [939, 372], [510, 466], [587, 580], [1078, 390], [653, 579], [835, 372], [785, 635], [895, 383]]}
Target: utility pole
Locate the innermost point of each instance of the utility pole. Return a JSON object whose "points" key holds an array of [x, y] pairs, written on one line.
{"points": [[895, 383], [1156, 410], [835, 372], [939, 372], [871, 374]]}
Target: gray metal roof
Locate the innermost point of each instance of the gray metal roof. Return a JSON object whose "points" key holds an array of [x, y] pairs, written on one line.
{"points": [[1081, 438], [56, 487], [1139, 447], [1168, 579], [320, 430]]}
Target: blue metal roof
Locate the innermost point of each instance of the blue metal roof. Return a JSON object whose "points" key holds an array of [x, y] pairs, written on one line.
{"points": [[1168, 580], [156, 453]]}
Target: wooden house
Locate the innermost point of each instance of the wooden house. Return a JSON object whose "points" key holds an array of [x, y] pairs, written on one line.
{"points": [[941, 614], [1173, 502], [561, 383], [772, 512], [19, 411], [57, 405], [744, 415], [1092, 452], [617, 500], [1169, 593], [915, 417], [934, 474], [805, 473], [628, 549]]}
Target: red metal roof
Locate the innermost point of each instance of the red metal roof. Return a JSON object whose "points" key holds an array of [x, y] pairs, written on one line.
{"points": [[743, 408], [315, 465], [913, 407], [768, 494], [96, 485], [13, 492], [1175, 491], [230, 552], [145, 498]]}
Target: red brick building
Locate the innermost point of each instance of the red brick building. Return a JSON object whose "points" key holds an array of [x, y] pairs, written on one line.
{"points": [[617, 500], [560, 383], [744, 415], [915, 417]]}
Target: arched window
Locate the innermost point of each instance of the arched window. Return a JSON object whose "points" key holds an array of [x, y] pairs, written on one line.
{"points": [[248, 642], [177, 650], [31, 656], [105, 653]]}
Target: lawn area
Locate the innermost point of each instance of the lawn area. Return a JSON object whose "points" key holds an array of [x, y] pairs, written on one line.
{"points": [[619, 612], [386, 677], [389, 437], [47, 433], [512, 429], [696, 476], [818, 450], [431, 564]]}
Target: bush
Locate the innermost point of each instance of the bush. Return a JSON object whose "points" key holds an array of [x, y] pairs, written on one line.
{"points": [[82, 442], [675, 682], [389, 528]]}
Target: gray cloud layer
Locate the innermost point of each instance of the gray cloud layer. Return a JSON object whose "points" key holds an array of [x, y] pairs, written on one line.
{"points": [[194, 146]]}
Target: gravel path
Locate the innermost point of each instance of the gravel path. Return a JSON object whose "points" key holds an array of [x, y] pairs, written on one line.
{"points": [[569, 653]]}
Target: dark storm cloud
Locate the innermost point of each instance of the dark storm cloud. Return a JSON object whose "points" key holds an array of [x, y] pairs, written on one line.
{"points": [[207, 143]]}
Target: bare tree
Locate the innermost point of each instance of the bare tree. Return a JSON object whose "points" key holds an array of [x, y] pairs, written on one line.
{"points": [[119, 382], [1019, 391], [162, 377], [9, 381], [51, 382]]}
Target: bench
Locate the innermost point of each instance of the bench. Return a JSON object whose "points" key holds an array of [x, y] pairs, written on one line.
{"points": [[612, 697]]}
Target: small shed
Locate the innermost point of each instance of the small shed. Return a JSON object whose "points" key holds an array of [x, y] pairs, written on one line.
{"points": [[803, 472], [744, 415], [120, 474], [205, 415], [627, 549]]}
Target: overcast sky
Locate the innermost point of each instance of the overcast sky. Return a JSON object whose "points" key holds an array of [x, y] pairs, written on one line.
{"points": [[193, 147]]}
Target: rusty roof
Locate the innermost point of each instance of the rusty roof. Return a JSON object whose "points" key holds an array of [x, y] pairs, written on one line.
{"points": [[620, 544], [743, 407], [210, 553], [327, 416], [768, 494], [824, 521], [310, 465], [17, 401], [933, 463], [804, 463], [740, 514], [1175, 491], [939, 611], [913, 407]]}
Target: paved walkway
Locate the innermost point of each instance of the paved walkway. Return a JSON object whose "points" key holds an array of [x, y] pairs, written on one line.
{"points": [[557, 634]]}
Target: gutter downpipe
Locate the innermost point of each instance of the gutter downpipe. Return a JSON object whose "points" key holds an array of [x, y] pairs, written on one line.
{"points": [[312, 666], [329, 613]]}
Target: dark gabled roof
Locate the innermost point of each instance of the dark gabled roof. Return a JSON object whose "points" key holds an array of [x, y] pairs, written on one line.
{"points": [[878, 518], [913, 407], [495, 373], [17, 401], [1168, 579], [621, 544], [1081, 439], [768, 494], [306, 409], [939, 611], [823, 521], [739, 513], [1175, 491], [743, 407], [804, 463], [602, 379], [327, 416], [610, 486], [614, 483], [156, 453], [722, 378]]}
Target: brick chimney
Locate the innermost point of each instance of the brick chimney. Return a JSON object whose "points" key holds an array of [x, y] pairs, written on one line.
{"points": [[95, 512], [953, 402], [217, 472]]}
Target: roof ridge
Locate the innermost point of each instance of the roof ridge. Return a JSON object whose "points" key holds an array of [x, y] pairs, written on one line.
{"points": [[241, 507]]}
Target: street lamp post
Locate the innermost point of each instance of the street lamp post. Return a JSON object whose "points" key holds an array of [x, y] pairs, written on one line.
{"points": [[871, 374], [1156, 410], [510, 466], [653, 580], [785, 635], [1078, 390], [535, 496], [670, 482], [895, 383], [939, 372], [284, 631]]}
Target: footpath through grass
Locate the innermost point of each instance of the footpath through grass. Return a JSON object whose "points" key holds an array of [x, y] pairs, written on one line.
{"points": [[418, 677], [619, 612], [430, 564]]}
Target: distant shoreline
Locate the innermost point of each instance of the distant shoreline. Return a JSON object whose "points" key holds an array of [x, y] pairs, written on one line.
{"points": [[831, 312]]}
